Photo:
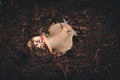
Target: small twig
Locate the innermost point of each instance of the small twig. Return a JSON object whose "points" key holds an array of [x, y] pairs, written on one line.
{"points": [[96, 58], [64, 72]]}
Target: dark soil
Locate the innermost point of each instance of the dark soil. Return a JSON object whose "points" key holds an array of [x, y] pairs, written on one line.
{"points": [[94, 56]]}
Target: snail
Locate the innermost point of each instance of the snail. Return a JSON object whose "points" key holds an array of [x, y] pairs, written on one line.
{"points": [[58, 41]]}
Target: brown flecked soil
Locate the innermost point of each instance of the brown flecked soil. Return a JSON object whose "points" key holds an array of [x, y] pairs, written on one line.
{"points": [[95, 53]]}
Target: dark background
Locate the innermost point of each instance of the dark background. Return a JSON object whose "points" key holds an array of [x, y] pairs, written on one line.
{"points": [[94, 55]]}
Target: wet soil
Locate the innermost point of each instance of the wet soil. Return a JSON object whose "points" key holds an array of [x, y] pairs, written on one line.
{"points": [[95, 53]]}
